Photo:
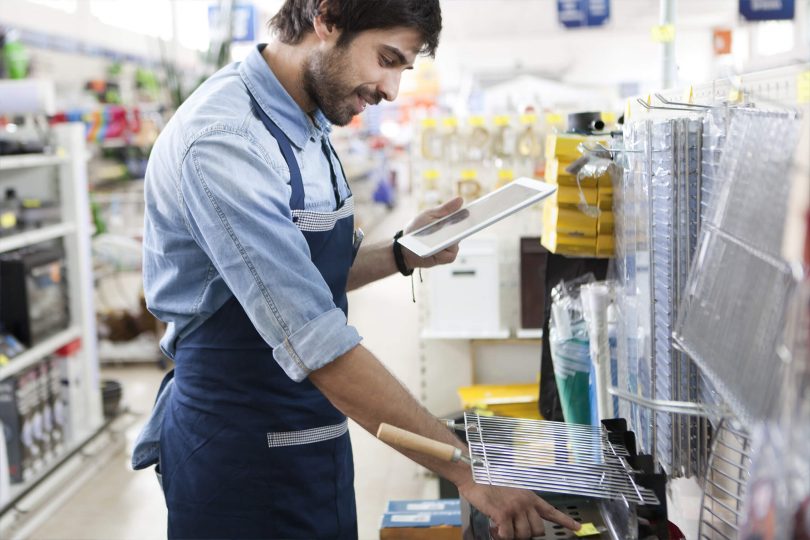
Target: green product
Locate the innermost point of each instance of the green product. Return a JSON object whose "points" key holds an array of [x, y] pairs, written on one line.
{"points": [[575, 397], [16, 60]]}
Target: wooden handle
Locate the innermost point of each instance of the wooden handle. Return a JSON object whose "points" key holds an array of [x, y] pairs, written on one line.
{"points": [[405, 439]]}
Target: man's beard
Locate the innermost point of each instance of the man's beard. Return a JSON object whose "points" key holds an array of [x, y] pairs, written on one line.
{"points": [[325, 83]]}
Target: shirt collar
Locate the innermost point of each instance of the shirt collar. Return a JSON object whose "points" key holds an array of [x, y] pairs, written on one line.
{"points": [[277, 103]]}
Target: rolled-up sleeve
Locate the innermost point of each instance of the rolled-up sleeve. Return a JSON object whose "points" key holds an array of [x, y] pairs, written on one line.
{"points": [[236, 206]]}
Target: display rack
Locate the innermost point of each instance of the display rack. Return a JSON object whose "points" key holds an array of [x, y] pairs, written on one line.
{"points": [[64, 176], [691, 433]]}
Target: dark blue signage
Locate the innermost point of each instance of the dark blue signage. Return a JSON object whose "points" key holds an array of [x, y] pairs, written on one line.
{"points": [[243, 22], [768, 10], [582, 13]]}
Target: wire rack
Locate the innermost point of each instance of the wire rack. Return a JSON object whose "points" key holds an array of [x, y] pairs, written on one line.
{"points": [[553, 457], [724, 484]]}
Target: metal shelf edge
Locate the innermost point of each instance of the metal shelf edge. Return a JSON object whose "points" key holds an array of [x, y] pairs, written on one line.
{"points": [[441, 334], [40, 351], [26, 161], [29, 238]]}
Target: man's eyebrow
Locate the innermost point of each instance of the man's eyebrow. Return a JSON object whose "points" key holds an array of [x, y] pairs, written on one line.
{"points": [[396, 52]]}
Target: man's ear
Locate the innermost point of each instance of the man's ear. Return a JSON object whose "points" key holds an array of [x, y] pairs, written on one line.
{"points": [[324, 31]]}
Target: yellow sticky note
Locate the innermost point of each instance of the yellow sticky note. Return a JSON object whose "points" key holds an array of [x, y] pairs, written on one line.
{"points": [[663, 33], [803, 87], [8, 220], [689, 95], [587, 529]]}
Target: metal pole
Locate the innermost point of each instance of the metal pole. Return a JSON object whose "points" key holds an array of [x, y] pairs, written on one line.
{"points": [[667, 17]]}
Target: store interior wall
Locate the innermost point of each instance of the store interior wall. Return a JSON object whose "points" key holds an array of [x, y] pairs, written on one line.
{"points": [[484, 43]]}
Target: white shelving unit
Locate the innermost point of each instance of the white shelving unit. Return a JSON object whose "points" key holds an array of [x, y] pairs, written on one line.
{"points": [[506, 355], [66, 174]]}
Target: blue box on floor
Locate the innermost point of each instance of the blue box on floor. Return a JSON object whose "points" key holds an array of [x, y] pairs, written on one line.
{"points": [[425, 505], [422, 520]]}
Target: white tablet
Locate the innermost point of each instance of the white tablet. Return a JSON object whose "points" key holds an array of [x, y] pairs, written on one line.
{"points": [[479, 214]]}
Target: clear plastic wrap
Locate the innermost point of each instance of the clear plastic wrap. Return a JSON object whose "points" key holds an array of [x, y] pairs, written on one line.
{"points": [[731, 316], [570, 351]]}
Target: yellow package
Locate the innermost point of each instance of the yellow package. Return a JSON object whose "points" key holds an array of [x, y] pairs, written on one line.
{"points": [[605, 245], [606, 224], [570, 196], [565, 145], [569, 245], [556, 174], [568, 221]]}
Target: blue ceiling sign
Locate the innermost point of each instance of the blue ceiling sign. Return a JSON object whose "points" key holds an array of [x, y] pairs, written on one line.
{"points": [[583, 13], [768, 10]]}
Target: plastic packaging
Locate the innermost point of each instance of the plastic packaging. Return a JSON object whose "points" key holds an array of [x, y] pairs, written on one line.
{"points": [[570, 351]]}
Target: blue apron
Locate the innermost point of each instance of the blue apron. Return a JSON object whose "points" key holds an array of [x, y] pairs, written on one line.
{"points": [[245, 452]]}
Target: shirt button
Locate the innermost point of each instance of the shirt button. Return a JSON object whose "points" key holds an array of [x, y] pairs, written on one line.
{"points": [[295, 219]]}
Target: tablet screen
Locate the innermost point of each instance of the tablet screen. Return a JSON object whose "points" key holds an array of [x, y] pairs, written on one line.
{"points": [[476, 213]]}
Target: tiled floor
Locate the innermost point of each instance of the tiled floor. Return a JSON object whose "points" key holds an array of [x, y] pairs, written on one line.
{"points": [[121, 504]]}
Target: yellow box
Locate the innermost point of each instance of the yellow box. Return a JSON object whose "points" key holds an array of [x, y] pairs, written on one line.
{"points": [[564, 145], [568, 221], [568, 245], [556, 174], [606, 224], [605, 245], [605, 187], [513, 400], [569, 196]]}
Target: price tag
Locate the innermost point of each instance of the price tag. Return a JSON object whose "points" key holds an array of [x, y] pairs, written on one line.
{"points": [[8, 220], [410, 518], [803, 87], [587, 529], [663, 33]]}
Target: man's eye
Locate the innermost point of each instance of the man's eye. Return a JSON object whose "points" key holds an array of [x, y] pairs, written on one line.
{"points": [[386, 62]]}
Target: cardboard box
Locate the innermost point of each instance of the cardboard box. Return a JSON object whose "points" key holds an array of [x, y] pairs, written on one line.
{"points": [[568, 221], [576, 246], [424, 505], [18, 413], [605, 245], [428, 525], [57, 400], [564, 145], [606, 224], [555, 173], [568, 197]]}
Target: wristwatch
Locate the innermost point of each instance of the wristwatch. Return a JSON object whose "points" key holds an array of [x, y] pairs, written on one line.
{"points": [[399, 258]]}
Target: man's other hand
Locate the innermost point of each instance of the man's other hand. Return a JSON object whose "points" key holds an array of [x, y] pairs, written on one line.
{"points": [[514, 513], [445, 256]]}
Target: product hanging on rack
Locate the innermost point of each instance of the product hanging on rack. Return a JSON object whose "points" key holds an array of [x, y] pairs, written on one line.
{"points": [[739, 271]]}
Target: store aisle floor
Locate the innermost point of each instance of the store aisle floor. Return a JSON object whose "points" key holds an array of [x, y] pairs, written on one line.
{"points": [[119, 504]]}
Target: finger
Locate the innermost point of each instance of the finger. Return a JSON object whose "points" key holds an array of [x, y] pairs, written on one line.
{"points": [[505, 529], [555, 516], [446, 256], [523, 528], [537, 524], [449, 207]]}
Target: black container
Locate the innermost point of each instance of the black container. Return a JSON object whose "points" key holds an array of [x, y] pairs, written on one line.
{"points": [[111, 392]]}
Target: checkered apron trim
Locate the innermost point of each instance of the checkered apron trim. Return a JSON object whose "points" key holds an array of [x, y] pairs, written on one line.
{"points": [[322, 221], [306, 436]]}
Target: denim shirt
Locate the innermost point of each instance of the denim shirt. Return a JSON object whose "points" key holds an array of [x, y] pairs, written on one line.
{"points": [[218, 221]]}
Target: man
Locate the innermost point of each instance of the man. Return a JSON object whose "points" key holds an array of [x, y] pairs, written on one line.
{"points": [[249, 250]]}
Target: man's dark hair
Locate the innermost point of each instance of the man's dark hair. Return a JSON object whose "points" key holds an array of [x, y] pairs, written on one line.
{"points": [[294, 19]]}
